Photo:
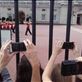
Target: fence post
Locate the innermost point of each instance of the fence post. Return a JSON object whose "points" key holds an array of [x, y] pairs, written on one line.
{"points": [[0, 37], [51, 27], [34, 21], [68, 26], [16, 28]]}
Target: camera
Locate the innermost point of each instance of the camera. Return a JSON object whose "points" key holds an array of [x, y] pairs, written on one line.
{"points": [[17, 46], [71, 67], [68, 45]]}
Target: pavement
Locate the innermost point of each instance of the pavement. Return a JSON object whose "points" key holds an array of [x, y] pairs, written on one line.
{"points": [[42, 43]]}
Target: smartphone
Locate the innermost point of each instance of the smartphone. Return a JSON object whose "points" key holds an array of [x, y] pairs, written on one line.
{"points": [[5, 36], [68, 45], [18, 46]]}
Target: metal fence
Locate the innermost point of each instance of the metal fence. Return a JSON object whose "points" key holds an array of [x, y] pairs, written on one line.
{"points": [[50, 25], [17, 39]]}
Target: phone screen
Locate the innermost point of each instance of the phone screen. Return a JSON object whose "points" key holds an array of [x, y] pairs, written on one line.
{"points": [[6, 36]]}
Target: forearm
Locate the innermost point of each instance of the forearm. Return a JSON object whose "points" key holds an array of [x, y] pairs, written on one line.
{"points": [[36, 74], [47, 80], [49, 68]]}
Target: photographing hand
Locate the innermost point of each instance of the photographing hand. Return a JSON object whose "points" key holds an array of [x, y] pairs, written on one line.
{"points": [[31, 53], [58, 47], [75, 50], [5, 55]]}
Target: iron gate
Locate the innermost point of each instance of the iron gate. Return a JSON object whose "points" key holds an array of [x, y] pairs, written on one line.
{"points": [[17, 39]]}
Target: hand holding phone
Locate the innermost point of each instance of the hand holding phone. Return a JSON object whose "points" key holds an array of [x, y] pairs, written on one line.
{"points": [[5, 55]]}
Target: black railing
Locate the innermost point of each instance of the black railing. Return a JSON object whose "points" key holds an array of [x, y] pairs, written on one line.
{"points": [[68, 26], [34, 21], [16, 28], [50, 25]]}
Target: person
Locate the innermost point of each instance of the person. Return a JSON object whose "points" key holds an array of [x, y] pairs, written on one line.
{"points": [[10, 25], [5, 57], [52, 72], [24, 69], [27, 67], [3, 19], [28, 27]]}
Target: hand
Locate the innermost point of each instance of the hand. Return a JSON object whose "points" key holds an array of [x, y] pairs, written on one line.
{"points": [[5, 56], [75, 50], [58, 47], [31, 53], [79, 59]]}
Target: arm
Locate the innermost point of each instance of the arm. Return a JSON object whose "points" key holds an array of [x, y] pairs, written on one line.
{"points": [[31, 55], [5, 57], [36, 74], [49, 68]]}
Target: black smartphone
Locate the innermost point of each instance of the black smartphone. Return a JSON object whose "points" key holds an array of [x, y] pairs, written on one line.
{"points": [[18, 46], [68, 45]]}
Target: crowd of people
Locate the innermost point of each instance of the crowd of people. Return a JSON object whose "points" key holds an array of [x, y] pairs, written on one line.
{"points": [[6, 23], [29, 67]]}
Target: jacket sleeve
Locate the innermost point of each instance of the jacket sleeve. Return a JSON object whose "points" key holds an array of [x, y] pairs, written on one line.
{"points": [[6, 76]]}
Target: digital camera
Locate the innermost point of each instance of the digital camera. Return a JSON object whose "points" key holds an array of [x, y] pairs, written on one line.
{"points": [[17, 46], [71, 67], [68, 45]]}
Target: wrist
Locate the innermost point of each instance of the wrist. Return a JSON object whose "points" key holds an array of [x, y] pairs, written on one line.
{"points": [[36, 67], [56, 52]]}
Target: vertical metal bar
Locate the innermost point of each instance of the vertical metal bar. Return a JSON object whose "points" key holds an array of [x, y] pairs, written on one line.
{"points": [[16, 28], [34, 21], [51, 27], [0, 37], [68, 26]]}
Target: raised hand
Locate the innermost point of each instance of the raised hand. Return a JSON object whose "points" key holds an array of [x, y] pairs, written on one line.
{"points": [[31, 53], [5, 55]]}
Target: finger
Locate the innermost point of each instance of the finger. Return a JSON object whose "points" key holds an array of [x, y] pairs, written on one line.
{"points": [[75, 47], [79, 59], [75, 50], [14, 53], [5, 46], [29, 42], [59, 44], [5, 43], [26, 44]]}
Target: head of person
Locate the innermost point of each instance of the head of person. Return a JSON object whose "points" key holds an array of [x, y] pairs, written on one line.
{"points": [[27, 19], [3, 19], [24, 73], [7, 19]]}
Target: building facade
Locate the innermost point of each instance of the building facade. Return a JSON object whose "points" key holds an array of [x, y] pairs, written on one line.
{"points": [[43, 10]]}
